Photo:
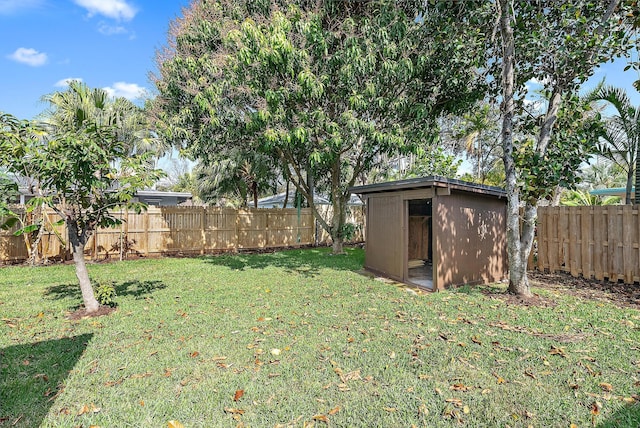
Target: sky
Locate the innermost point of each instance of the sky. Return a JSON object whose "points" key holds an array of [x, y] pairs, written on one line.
{"points": [[111, 44]]}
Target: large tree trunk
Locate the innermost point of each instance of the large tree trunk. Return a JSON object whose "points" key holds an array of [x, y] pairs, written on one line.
{"points": [[77, 246], [254, 191], [338, 220], [518, 281]]}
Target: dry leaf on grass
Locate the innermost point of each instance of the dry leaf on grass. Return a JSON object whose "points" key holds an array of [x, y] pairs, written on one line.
{"points": [[334, 410], [238, 395], [606, 386]]}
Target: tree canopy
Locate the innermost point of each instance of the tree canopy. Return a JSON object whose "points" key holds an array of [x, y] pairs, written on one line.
{"points": [[323, 88]]}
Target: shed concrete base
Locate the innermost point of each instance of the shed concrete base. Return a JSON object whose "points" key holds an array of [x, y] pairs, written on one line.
{"points": [[422, 276]]}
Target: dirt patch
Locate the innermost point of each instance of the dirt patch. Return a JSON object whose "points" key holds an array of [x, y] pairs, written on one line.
{"points": [[621, 295], [513, 300], [82, 313]]}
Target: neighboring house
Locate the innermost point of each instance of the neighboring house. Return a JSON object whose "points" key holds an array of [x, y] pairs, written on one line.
{"points": [[620, 192], [277, 201], [149, 197], [163, 199]]}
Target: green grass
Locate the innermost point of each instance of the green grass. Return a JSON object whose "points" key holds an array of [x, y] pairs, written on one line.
{"points": [[189, 333]]}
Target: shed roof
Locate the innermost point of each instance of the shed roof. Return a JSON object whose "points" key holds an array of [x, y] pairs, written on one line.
{"points": [[431, 181]]}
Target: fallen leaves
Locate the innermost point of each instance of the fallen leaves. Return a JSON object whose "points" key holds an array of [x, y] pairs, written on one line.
{"points": [[558, 351], [238, 395], [321, 418], [174, 424], [334, 410], [460, 387], [595, 408], [607, 387], [91, 408]]}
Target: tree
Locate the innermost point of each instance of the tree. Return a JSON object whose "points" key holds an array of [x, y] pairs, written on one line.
{"points": [[622, 133], [83, 169], [603, 174], [576, 198], [323, 88], [479, 130], [23, 139], [434, 161], [559, 45], [235, 175]]}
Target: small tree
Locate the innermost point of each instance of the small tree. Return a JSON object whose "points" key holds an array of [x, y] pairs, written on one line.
{"points": [[22, 139], [82, 174], [87, 174]]}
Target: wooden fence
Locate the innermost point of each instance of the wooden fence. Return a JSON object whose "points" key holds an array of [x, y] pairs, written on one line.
{"points": [[601, 242], [178, 230]]}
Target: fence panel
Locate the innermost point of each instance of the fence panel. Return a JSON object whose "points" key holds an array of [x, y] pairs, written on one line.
{"points": [[601, 242], [171, 230]]}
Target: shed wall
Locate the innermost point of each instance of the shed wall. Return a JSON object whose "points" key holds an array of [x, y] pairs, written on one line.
{"points": [[470, 232], [384, 235]]}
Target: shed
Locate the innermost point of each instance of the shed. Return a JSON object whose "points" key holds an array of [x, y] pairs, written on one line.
{"points": [[435, 232]]}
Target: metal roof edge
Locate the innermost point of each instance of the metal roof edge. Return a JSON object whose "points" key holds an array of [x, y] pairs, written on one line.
{"points": [[430, 181]]}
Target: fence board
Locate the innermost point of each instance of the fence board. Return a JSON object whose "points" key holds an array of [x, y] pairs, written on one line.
{"points": [[592, 242]]}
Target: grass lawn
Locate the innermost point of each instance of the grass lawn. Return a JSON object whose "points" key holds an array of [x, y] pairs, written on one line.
{"points": [[299, 338]]}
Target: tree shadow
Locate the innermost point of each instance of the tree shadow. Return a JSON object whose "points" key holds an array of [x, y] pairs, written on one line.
{"points": [[31, 376], [627, 416], [305, 262], [137, 289]]}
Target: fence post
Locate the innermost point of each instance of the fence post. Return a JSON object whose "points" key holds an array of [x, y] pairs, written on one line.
{"points": [[145, 236], [203, 236]]}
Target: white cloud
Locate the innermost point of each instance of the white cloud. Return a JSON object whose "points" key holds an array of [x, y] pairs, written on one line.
{"points": [[110, 30], [63, 83], [130, 91], [115, 9], [29, 56], [8, 7]]}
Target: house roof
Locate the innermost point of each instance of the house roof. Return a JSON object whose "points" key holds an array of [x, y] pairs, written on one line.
{"points": [[612, 191], [278, 199], [158, 193], [431, 181], [24, 190]]}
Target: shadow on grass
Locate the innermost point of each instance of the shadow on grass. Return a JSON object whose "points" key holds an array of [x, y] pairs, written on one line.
{"points": [[478, 289], [306, 262], [627, 416], [32, 375], [137, 289]]}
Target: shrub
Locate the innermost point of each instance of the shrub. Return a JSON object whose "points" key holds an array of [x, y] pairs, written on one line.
{"points": [[106, 294]]}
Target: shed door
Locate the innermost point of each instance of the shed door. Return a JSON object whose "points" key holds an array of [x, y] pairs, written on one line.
{"points": [[385, 235]]}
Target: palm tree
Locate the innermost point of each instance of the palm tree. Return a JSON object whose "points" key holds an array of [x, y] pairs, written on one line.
{"points": [[480, 132], [237, 174], [70, 109], [576, 198], [621, 139]]}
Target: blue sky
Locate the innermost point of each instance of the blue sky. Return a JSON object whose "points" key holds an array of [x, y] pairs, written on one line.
{"points": [[109, 44]]}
